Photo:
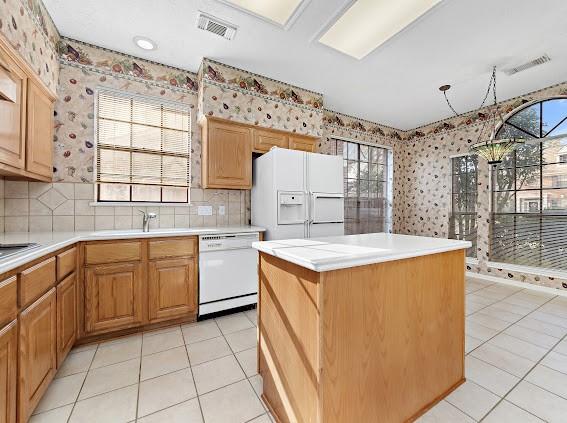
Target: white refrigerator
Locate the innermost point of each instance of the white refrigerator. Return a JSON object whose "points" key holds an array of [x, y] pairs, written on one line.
{"points": [[297, 194]]}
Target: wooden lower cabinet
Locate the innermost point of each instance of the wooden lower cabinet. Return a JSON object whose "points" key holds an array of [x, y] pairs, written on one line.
{"points": [[66, 316], [113, 297], [37, 352], [172, 288], [8, 372]]}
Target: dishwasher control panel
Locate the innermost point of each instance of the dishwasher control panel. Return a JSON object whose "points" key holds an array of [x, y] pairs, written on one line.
{"points": [[227, 241]]}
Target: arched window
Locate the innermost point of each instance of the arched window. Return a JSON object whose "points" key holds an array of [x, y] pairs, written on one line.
{"points": [[529, 188]]}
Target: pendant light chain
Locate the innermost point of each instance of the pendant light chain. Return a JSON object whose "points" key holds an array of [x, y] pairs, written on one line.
{"points": [[489, 147]]}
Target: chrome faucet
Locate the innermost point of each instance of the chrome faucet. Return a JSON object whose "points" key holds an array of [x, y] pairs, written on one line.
{"points": [[147, 218]]}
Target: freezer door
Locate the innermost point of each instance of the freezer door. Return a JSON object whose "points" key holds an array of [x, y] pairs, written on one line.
{"points": [[324, 173], [317, 230], [289, 170]]}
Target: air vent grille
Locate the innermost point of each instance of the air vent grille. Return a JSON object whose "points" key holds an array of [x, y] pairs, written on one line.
{"points": [[216, 26], [536, 62]]}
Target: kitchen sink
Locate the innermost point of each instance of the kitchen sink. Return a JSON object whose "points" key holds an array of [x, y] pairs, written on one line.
{"points": [[7, 250]]}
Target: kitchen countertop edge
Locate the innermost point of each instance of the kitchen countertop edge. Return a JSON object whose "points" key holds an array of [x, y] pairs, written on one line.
{"points": [[53, 241]]}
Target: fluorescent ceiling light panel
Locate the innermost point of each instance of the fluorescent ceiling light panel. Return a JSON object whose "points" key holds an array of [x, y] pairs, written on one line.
{"points": [[369, 23], [278, 11]]}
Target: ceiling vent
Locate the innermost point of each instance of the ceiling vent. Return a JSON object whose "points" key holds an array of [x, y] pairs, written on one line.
{"points": [[216, 26], [536, 62]]}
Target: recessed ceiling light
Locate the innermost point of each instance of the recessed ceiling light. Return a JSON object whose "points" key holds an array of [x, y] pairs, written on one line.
{"points": [[369, 23], [277, 11], [145, 43]]}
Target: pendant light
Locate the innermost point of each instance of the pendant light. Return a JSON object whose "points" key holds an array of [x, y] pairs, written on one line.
{"points": [[488, 147]]}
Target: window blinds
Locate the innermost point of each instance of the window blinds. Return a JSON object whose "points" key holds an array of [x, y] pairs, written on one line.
{"points": [[142, 142]]}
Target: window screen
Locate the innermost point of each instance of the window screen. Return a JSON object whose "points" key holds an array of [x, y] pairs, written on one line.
{"points": [[143, 149]]}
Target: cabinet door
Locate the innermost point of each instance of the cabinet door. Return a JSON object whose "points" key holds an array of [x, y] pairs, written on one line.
{"points": [[8, 372], [12, 119], [66, 316], [113, 297], [39, 150], [227, 156], [172, 288], [37, 358], [303, 143], [264, 139]]}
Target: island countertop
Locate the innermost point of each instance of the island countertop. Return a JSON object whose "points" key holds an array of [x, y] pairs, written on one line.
{"points": [[340, 252]]}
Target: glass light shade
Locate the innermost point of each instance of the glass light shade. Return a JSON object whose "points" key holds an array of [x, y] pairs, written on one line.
{"points": [[494, 151]]}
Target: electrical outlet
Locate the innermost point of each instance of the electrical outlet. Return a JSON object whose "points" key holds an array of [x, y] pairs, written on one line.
{"points": [[221, 210], [205, 210]]}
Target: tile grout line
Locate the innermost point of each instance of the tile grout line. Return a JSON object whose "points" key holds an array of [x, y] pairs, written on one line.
{"points": [[139, 379], [82, 385], [523, 379], [502, 398], [192, 374], [509, 325], [241, 368]]}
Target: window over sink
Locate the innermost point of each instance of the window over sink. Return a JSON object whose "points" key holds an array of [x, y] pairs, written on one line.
{"points": [[143, 149]]}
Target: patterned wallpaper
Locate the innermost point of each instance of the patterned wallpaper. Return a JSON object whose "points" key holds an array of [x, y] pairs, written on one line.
{"points": [[426, 168], [246, 97], [29, 29], [421, 156], [83, 69]]}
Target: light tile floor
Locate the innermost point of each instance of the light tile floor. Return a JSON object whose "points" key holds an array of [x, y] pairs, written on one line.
{"points": [[516, 369]]}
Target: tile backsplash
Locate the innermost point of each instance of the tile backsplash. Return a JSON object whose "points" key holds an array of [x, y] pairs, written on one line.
{"points": [[65, 206]]}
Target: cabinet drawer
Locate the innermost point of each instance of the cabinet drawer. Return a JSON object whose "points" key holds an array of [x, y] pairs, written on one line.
{"points": [[113, 252], [37, 280], [173, 248], [8, 300], [66, 262]]}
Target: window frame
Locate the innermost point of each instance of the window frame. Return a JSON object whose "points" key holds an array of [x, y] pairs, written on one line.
{"points": [[387, 179], [541, 216], [148, 99], [472, 251]]}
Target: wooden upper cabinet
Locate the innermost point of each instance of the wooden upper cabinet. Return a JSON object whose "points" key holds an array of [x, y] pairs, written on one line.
{"points": [[172, 288], [227, 155], [13, 114], [113, 297], [39, 144], [303, 143], [264, 139], [66, 316], [8, 372], [37, 355]]}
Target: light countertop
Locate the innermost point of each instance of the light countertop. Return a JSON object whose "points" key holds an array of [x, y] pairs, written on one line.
{"points": [[53, 241], [340, 252]]}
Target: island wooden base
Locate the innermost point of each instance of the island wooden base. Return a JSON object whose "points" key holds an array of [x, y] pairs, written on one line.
{"points": [[375, 343]]}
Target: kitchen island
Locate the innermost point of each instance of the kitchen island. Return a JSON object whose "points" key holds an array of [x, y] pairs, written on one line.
{"points": [[360, 328]]}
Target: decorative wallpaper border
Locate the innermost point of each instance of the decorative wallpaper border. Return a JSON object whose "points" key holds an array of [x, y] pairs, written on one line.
{"points": [[80, 54], [341, 120], [250, 83], [478, 116]]}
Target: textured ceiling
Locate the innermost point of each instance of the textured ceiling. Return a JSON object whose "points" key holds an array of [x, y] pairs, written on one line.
{"points": [[458, 42]]}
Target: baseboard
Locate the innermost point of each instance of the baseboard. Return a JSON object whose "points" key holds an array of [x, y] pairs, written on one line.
{"points": [[526, 285]]}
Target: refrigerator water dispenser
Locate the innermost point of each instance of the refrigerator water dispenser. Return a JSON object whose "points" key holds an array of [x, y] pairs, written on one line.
{"points": [[291, 208]]}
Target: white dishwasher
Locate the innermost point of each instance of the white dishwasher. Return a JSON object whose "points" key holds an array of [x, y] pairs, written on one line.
{"points": [[228, 272]]}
